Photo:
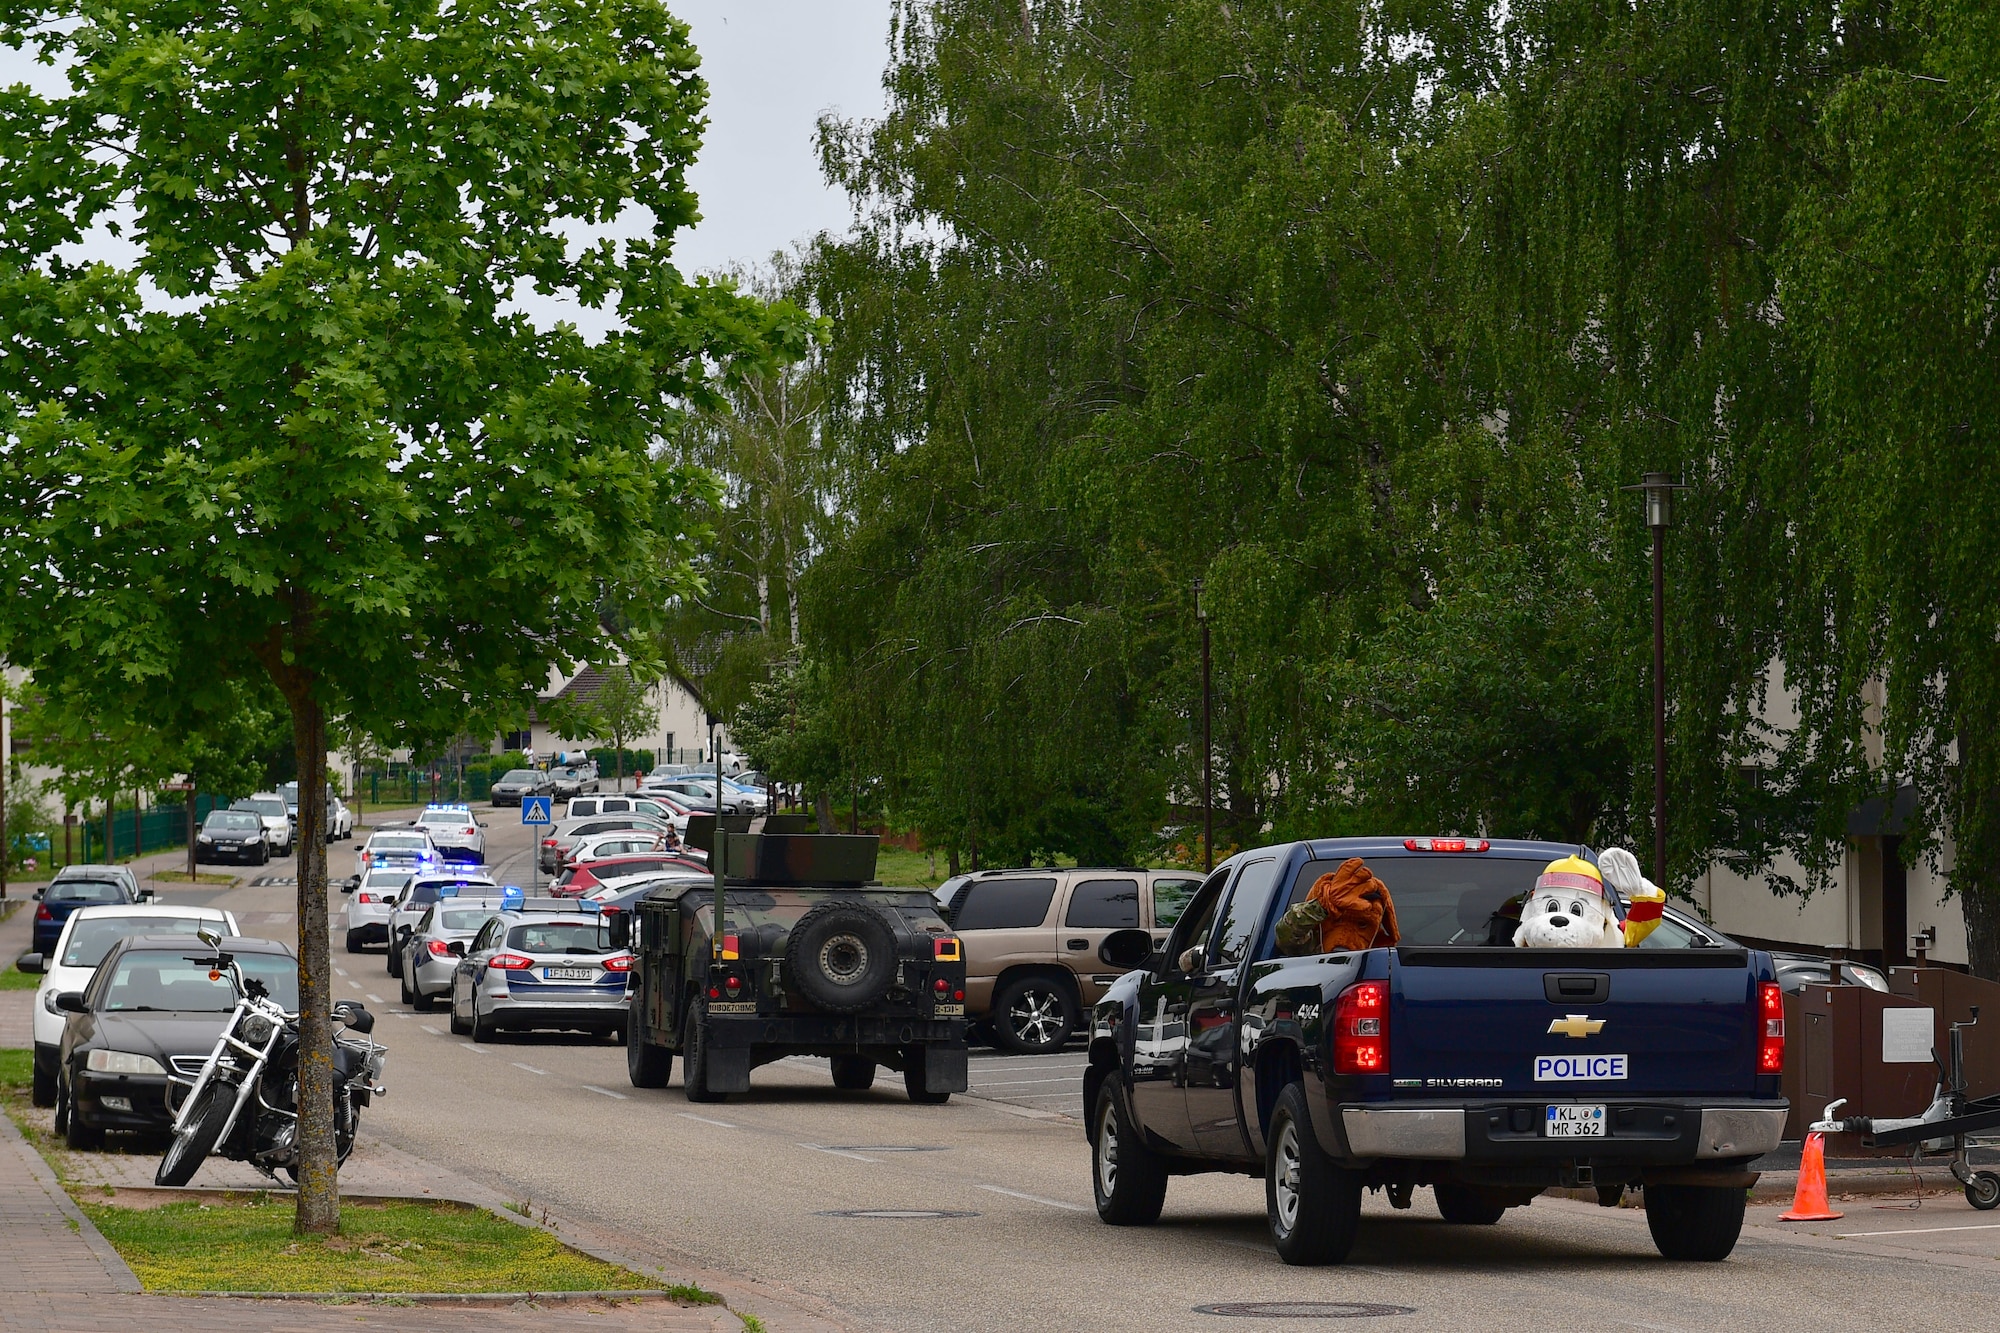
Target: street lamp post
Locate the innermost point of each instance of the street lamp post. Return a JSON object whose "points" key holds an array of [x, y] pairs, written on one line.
{"points": [[1659, 489], [1207, 744]]}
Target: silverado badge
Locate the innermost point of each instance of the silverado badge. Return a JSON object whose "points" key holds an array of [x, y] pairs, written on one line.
{"points": [[1576, 1025]]}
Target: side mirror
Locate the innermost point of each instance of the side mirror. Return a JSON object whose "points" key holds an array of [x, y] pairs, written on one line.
{"points": [[210, 936], [71, 1002], [1125, 949], [37, 894], [1190, 959], [32, 963], [455, 949], [621, 928], [148, 896], [355, 1016], [350, 884]]}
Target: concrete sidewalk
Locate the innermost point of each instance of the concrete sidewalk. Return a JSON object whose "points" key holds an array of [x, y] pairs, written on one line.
{"points": [[49, 1243]]}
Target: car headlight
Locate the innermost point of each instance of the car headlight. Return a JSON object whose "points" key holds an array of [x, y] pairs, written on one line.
{"points": [[203, 837], [121, 1062], [255, 1029], [49, 1002]]}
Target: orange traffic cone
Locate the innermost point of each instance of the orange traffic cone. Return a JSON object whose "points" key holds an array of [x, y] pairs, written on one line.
{"points": [[1809, 1204]]}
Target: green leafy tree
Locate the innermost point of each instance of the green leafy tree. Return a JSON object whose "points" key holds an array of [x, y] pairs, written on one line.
{"points": [[294, 468], [622, 708]]}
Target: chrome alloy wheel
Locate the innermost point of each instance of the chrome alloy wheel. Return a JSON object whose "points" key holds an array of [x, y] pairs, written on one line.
{"points": [[1287, 1179], [1107, 1152], [1036, 1016], [843, 959]]}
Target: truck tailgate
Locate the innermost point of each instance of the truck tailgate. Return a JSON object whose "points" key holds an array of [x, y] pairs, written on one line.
{"points": [[1562, 1023]]}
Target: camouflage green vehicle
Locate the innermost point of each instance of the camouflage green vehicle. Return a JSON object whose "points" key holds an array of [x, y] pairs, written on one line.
{"points": [[812, 958]]}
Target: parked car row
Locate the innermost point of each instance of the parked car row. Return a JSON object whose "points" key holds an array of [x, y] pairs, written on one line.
{"points": [[253, 830]]}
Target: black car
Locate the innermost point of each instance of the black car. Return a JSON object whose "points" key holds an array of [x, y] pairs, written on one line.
{"points": [[149, 1018], [520, 782], [232, 835]]}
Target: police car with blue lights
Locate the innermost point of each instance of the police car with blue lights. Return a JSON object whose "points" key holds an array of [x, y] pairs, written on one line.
{"points": [[540, 963], [400, 845], [456, 834], [415, 899], [438, 940]]}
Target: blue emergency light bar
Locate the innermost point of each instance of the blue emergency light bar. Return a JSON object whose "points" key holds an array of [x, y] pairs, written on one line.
{"points": [[511, 897]]}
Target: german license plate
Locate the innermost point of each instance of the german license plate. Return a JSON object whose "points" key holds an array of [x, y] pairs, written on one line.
{"points": [[948, 1011], [1575, 1122], [732, 1006], [569, 974]]}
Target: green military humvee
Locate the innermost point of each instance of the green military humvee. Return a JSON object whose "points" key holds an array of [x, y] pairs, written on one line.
{"points": [[811, 959]]}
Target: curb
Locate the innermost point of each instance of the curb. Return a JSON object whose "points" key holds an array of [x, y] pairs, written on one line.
{"points": [[481, 1298], [115, 1266]]}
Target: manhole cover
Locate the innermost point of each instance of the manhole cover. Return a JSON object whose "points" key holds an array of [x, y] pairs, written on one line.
{"points": [[1302, 1310], [897, 1214], [881, 1147]]}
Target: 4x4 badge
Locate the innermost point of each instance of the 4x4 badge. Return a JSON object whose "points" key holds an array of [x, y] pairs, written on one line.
{"points": [[1576, 1025]]}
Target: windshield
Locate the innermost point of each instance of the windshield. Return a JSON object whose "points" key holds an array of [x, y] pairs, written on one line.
{"points": [[565, 937], [467, 919], [262, 805], [154, 981], [427, 891], [84, 891], [388, 879], [92, 936], [392, 842], [446, 817], [519, 775], [232, 820]]}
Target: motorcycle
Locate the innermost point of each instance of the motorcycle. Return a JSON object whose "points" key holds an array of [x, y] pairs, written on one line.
{"points": [[244, 1102]]}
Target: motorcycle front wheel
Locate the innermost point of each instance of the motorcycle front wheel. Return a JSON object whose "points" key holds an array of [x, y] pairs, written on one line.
{"points": [[196, 1140]]}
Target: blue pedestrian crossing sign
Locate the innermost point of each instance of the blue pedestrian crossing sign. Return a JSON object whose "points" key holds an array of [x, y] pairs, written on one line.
{"points": [[535, 810]]}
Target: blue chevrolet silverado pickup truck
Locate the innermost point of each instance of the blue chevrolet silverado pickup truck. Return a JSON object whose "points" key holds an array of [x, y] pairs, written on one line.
{"points": [[1453, 1060]]}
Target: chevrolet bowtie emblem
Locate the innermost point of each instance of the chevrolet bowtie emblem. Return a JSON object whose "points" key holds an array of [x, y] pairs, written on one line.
{"points": [[1576, 1025]]}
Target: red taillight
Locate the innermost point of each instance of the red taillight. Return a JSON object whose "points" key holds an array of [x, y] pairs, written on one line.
{"points": [[734, 986], [1771, 1033], [945, 949], [958, 995], [940, 985], [472, 833], [366, 898], [1446, 844], [510, 962], [618, 963], [439, 949], [548, 842], [715, 992], [43, 913], [732, 947], [1361, 1029]]}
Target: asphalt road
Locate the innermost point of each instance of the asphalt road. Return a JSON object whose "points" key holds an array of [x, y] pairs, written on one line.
{"points": [[989, 1222]]}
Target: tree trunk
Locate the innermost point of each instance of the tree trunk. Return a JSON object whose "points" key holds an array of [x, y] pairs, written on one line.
{"points": [[319, 1162], [951, 859], [1982, 929], [823, 807]]}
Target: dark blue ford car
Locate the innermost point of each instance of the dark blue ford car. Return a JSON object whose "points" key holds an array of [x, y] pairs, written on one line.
{"points": [[1451, 1061], [81, 886]]}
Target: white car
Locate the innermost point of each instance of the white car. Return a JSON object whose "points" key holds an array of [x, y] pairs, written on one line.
{"points": [[374, 899], [621, 843], [270, 807], [417, 898], [407, 846], [339, 820], [459, 837], [86, 937], [703, 790]]}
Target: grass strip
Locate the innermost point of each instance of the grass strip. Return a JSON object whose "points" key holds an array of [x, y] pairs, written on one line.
{"points": [[382, 1247], [13, 978]]}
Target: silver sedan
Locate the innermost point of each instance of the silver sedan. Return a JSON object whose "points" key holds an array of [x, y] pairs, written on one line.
{"points": [[429, 958], [535, 968]]}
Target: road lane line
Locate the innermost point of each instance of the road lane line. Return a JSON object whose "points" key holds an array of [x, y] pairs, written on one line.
{"points": [[1913, 1231], [531, 1069], [372, 999], [433, 1031], [476, 1050], [1024, 1082], [690, 1115], [603, 1092], [841, 1152], [340, 971], [1035, 1198]]}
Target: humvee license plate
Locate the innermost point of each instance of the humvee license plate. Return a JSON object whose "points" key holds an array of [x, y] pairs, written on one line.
{"points": [[1575, 1122], [948, 1011], [732, 1006], [569, 974]]}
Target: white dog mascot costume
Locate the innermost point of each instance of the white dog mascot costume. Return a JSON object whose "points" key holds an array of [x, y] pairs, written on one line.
{"points": [[1570, 910]]}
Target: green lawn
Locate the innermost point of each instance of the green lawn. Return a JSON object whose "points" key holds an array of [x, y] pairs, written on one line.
{"points": [[12, 978], [16, 1070], [388, 1247]]}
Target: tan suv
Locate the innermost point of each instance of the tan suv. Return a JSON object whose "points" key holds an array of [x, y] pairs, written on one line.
{"points": [[1031, 939]]}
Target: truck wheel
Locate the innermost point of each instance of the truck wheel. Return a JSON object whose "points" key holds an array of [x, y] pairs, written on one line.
{"points": [[694, 1056], [1467, 1207], [1314, 1206], [1033, 1016], [646, 1065], [914, 1078], [853, 1073], [1127, 1179], [1694, 1222]]}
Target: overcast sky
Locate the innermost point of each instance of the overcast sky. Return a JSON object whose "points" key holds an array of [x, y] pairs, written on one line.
{"points": [[773, 66]]}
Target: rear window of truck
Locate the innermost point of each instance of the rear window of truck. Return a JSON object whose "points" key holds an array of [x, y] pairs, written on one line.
{"points": [[1447, 899]]}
